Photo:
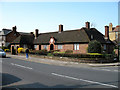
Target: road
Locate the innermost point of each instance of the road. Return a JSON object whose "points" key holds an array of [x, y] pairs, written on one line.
{"points": [[25, 74]]}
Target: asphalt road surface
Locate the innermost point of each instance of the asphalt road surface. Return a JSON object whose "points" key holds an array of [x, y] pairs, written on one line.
{"points": [[25, 74]]}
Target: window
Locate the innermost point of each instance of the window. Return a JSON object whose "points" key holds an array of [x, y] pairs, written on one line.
{"points": [[45, 47], [59, 46], [35, 46], [76, 46], [104, 46]]}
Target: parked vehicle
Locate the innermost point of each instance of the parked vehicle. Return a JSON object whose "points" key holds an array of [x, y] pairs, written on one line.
{"points": [[2, 53]]}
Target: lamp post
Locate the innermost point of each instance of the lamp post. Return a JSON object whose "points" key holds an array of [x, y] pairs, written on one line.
{"points": [[119, 45]]}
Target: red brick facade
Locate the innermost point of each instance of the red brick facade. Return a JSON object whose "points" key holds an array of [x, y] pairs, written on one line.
{"points": [[65, 47]]}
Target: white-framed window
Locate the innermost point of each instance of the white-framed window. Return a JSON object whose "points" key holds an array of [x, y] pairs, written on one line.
{"points": [[76, 46], [45, 47], [35, 46], [59, 46]]}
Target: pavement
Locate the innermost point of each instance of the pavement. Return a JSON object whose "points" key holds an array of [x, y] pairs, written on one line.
{"points": [[62, 63]]}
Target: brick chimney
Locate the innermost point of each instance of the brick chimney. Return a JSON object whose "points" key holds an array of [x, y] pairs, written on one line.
{"points": [[87, 25], [31, 32], [14, 28], [36, 33], [106, 32], [60, 28]]}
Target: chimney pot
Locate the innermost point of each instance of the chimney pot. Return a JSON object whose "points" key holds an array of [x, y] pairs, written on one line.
{"points": [[106, 32], [87, 25], [36, 33], [14, 28], [31, 32], [60, 28]]}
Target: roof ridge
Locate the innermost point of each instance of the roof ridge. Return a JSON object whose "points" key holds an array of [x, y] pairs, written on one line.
{"points": [[62, 31]]}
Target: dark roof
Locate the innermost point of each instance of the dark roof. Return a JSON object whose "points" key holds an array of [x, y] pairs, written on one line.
{"points": [[24, 39], [6, 31], [82, 35], [24, 33]]}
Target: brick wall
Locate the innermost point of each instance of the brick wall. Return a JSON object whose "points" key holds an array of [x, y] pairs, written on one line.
{"points": [[82, 48], [38, 47], [12, 36], [15, 48]]}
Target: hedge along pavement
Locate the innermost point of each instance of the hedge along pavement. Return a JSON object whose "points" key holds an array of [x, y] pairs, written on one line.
{"points": [[81, 58]]}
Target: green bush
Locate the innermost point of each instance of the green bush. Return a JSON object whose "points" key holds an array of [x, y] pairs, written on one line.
{"points": [[94, 47], [58, 52], [3, 48], [39, 52], [94, 53], [7, 50], [77, 55], [49, 54], [69, 51]]}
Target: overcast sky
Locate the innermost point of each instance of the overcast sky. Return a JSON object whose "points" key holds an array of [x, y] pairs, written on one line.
{"points": [[46, 16]]}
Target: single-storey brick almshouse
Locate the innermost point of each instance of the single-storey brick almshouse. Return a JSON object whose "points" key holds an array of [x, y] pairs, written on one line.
{"points": [[75, 40]]}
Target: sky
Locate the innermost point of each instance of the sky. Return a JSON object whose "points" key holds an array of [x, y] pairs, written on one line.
{"points": [[46, 16]]}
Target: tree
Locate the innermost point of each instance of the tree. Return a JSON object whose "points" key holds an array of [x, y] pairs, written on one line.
{"points": [[94, 47]]}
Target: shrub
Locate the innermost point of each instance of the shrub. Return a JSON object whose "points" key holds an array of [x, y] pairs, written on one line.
{"points": [[94, 53], [20, 50], [58, 52], [3, 47], [49, 54], [7, 50], [78, 55], [39, 52], [94, 47], [69, 51]]}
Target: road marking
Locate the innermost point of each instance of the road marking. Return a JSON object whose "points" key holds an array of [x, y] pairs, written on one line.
{"points": [[84, 80], [106, 70], [21, 66]]}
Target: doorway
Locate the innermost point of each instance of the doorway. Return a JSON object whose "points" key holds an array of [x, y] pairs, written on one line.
{"points": [[13, 50], [51, 47]]}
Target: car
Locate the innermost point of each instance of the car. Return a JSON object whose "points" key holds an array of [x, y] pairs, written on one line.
{"points": [[2, 53]]}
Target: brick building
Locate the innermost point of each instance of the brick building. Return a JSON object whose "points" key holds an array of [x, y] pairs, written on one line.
{"points": [[62, 40], [7, 36], [75, 40], [113, 32]]}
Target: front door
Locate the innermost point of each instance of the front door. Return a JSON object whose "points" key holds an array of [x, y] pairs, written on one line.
{"points": [[51, 47]]}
